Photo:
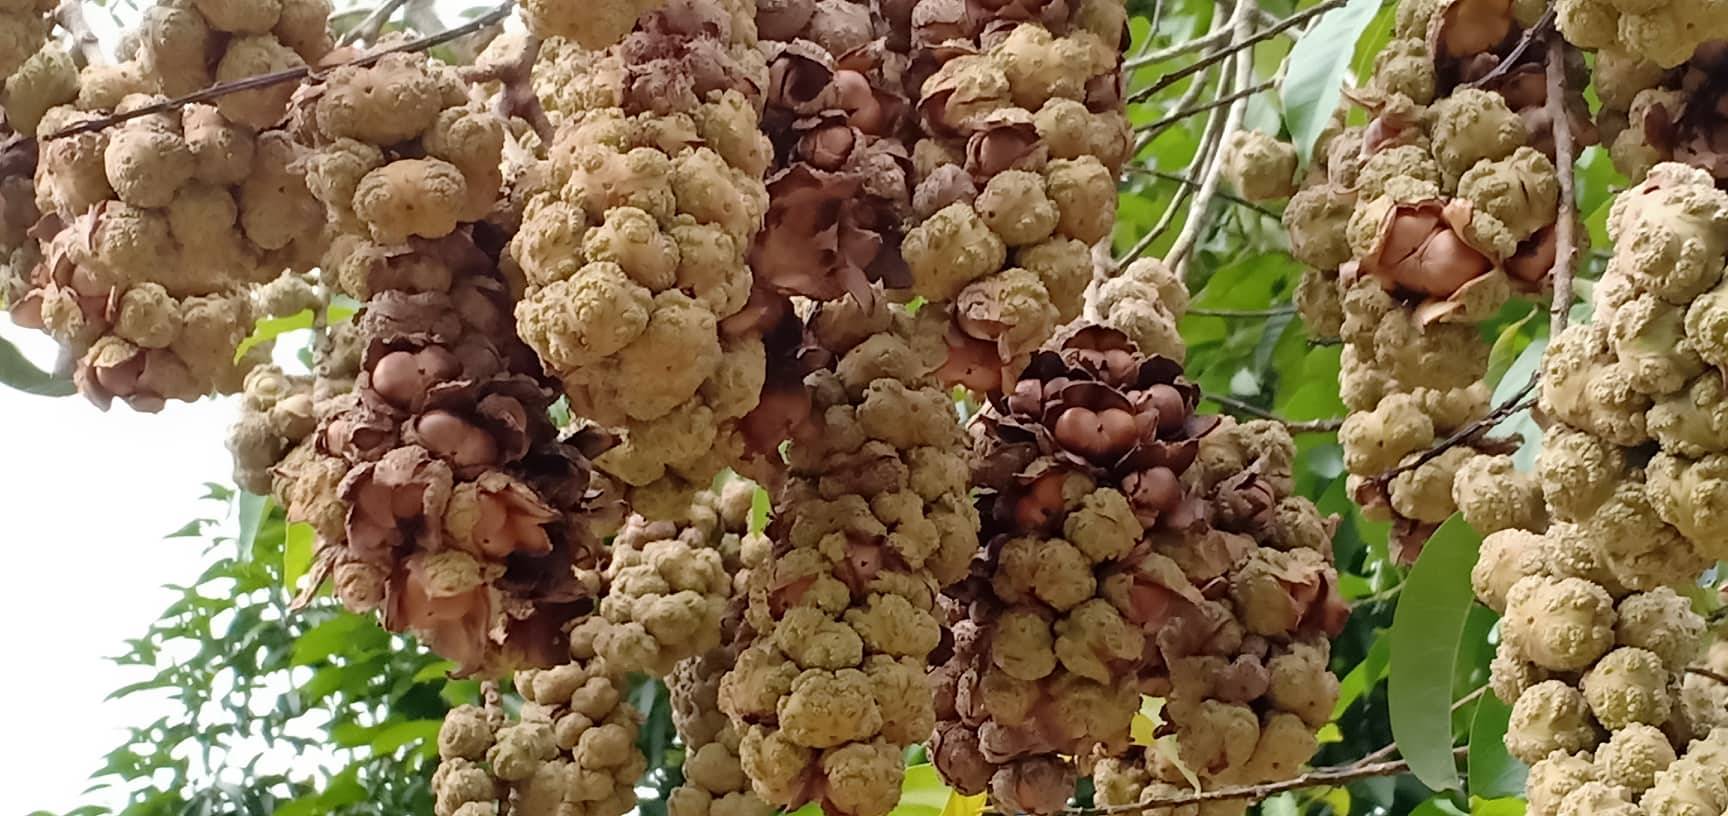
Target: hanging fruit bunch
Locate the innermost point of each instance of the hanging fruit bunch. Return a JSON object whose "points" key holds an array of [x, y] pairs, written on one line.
{"points": [[1022, 133], [1595, 638], [1664, 33], [1434, 214], [151, 235], [24, 28], [572, 750], [634, 258], [714, 779], [873, 519], [441, 494], [1666, 114]]}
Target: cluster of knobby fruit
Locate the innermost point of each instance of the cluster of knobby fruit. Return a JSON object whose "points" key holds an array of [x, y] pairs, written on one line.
{"points": [[138, 247], [438, 486], [1658, 114], [1133, 548], [1426, 220], [1594, 638], [714, 779], [1664, 33], [571, 751], [184, 45], [871, 522], [634, 254], [1022, 132]]}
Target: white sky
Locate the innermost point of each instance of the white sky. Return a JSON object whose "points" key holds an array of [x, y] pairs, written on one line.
{"points": [[86, 499]]}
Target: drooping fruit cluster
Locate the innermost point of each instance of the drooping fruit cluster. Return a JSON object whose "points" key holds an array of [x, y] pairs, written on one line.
{"points": [[1249, 601], [1085, 452], [1433, 215], [668, 586], [1657, 115], [1022, 134], [1594, 638], [151, 235], [572, 751], [1662, 32], [871, 522], [634, 256], [440, 491], [714, 779]]}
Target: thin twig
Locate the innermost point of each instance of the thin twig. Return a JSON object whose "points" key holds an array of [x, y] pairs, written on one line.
{"points": [[1512, 405], [1391, 748], [1286, 24], [1199, 43], [1702, 672], [1323, 777], [1155, 128], [1275, 311], [222, 89], [368, 28], [88, 49], [1184, 180], [1565, 244], [1177, 257], [1294, 425], [1529, 38]]}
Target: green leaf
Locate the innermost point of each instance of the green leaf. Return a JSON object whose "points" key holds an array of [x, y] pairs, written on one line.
{"points": [[1425, 637], [1437, 806], [1366, 675], [296, 554], [327, 638], [393, 737], [1318, 63], [270, 328], [1494, 773], [760, 505], [1507, 806], [923, 793], [253, 508], [20, 373]]}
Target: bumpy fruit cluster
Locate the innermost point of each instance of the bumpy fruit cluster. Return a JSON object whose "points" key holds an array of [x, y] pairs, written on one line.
{"points": [[1432, 215], [872, 521], [1023, 133], [1594, 640], [1658, 115], [714, 779], [1663, 32], [572, 752], [668, 586], [1084, 454], [634, 257], [151, 235]]}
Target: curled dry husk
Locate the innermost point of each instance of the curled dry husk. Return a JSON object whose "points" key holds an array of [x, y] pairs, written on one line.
{"points": [[830, 686]]}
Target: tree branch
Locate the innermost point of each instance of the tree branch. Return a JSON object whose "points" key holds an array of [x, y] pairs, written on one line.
{"points": [[222, 89], [85, 46], [1177, 258], [1275, 311], [1566, 220], [1529, 38], [1183, 180], [1178, 75], [1517, 402], [368, 28], [1322, 777], [1154, 128], [1295, 426], [1703, 672]]}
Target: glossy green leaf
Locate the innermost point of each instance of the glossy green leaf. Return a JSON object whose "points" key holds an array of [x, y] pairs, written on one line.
{"points": [[1314, 81], [1425, 637], [397, 735], [23, 375], [296, 554], [1494, 773], [923, 793], [760, 505], [251, 511], [1504, 806]]}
